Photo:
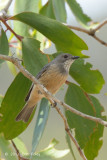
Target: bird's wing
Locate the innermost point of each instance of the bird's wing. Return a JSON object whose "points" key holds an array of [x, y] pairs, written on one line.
{"points": [[44, 69]]}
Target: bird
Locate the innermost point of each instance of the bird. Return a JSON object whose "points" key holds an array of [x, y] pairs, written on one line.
{"points": [[52, 76]]}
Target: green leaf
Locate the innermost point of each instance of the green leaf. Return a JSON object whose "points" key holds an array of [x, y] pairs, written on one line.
{"points": [[4, 47], [87, 133], [20, 146], [90, 80], [76, 98], [11, 105], [78, 13], [21, 6], [94, 144], [50, 153], [33, 59], [62, 36], [47, 10], [59, 10], [6, 149], [40, 123]]}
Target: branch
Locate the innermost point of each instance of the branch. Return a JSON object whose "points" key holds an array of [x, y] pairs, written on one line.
{"points": [[17, 152], [53, 99], [47, 94], [3, 12], [90, 32], [7, 6], [10, 29], [70, 134]]}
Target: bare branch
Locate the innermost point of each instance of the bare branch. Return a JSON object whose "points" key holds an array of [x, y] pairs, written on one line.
{"points": [[7, 5], [100, 25], [47, 94], [90, 32], [70, 134]]}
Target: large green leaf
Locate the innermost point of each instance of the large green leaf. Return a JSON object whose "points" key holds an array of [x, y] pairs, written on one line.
{"points": [[11, 106], [90, 80], [33, 59], [87, 132], [40, 123], [62, 36], [94, 144], [78, 13], [4, 47], [21, 6], [6, 149], [76, 98], [59, 10]]}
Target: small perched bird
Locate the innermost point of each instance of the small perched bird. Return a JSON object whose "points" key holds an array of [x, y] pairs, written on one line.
{"points": [[52, 76]]}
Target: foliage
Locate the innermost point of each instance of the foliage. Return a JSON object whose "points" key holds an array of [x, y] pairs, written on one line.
{"points": [[34, 21]]}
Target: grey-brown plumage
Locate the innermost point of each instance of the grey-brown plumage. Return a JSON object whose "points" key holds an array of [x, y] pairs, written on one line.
{"points": [[52, 76]]}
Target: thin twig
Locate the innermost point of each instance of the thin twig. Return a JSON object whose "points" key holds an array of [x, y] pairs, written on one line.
{"points": [[100, 25], [11, 30], [70, 134], [90, 32], [7, 5], [47, 94]]}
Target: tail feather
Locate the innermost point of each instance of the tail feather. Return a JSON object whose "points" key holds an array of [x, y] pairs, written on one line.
{"points": [[25, 113]]}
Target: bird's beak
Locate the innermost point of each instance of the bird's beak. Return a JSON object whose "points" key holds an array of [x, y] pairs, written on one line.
{"points": [[75, 57]]}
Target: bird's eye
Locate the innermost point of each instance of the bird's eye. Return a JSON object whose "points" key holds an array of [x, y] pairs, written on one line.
{"points": [[66, 56]]}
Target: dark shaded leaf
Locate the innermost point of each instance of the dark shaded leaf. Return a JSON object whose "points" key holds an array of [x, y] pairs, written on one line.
{"points": [[40, 123], [4, 47], [90, 80], [78, 13], [62, 36]]}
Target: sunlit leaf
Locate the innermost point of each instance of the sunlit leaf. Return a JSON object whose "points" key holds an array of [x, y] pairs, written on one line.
{"points": [[20, 146], [7, 150], [50, 153]]}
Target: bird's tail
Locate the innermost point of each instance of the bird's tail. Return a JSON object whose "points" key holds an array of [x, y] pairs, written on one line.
{"points": [[25, 113]]}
